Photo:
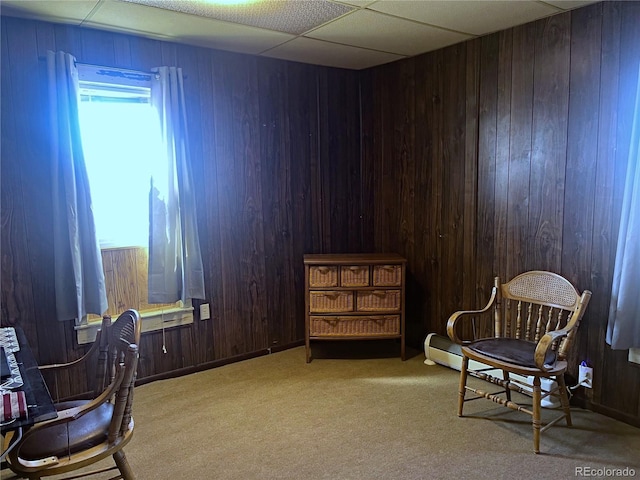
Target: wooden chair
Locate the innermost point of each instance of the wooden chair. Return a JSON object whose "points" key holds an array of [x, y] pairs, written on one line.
{"points": [[126, 328], [87, 431], [535, 317]]}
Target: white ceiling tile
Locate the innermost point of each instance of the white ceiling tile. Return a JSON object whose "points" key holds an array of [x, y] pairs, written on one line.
{"points": [[184, 28], [476, 17], [289, 16], [569, 4], [368, 29], [63, 11], [308, 50], [357, 3]]}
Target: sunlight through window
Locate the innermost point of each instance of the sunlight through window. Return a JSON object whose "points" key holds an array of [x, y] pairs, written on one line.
{"points": [[120, 140]]}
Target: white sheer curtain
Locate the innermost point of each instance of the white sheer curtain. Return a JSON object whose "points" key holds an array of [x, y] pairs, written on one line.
{"points": [[79, 277], [623, 331], [175, 262]]}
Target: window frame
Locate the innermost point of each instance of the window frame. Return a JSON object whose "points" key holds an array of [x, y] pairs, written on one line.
{"points": [[94, 79]]}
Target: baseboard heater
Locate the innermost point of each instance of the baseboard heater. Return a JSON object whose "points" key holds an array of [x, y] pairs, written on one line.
{"points": [[441, 350]]}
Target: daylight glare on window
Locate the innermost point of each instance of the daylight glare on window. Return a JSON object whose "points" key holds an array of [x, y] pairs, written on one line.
{"points": [[120, 139]]}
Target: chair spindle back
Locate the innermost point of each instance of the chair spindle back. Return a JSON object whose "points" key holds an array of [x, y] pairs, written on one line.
{"points": [[535, 303]]}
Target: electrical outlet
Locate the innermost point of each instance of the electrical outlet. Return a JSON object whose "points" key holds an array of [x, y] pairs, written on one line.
{"points": [[205, 314], [585, 376]]}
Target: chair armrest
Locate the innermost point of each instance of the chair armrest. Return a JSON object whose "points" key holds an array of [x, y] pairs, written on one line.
{"points": [[70, 414], [544, 344], [61, 366], [453, 319]]}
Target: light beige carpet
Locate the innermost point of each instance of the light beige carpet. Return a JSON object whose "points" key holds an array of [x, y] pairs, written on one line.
{"points": [[276, 417]]}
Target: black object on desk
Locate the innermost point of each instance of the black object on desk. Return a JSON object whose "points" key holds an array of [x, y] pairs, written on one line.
{"points": [[39, 403], [6, 371]]}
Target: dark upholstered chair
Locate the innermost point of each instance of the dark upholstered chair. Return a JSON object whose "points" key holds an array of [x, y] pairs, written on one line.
{"points": [[87, 431], [534, 319]]}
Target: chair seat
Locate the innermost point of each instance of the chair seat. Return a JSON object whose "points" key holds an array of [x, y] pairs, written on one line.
{"points": [[510, 350], [85, 432]]}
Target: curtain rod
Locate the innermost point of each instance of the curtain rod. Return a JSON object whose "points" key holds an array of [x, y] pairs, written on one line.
{"points": [[116, 69]]}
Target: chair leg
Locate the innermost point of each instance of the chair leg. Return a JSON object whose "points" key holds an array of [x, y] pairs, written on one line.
{"points": [[536, 414], [564, 399], [463, 383], [507, 391], [123, 465]]}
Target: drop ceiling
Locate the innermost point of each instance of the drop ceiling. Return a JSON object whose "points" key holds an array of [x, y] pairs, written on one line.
{"points": [[353, 34]]}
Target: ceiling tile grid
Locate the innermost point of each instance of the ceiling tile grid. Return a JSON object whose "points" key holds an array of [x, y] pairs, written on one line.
{"points": [[289, 16], [352, 34], [369, 29]]}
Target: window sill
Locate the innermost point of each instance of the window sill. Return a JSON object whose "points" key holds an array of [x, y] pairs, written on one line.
{"points": [[151, 321]]}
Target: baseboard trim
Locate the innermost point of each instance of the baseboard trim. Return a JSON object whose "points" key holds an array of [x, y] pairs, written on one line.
{"points": [[607, 411], [215, 363]]}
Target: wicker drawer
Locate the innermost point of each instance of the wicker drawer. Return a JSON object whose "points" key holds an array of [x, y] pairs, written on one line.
{"points": [[330, 302], [378, 300], [354, 276], [354, 326], [323, 276], [387, 275], [354, 296]]}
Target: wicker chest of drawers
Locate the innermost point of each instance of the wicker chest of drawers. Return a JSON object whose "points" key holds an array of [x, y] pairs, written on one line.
{"points": [[354, 297]]}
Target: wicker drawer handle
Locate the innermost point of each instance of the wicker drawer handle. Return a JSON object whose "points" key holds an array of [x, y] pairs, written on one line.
{"points": [[332, 295], [331, 321], [324, 269], [389, 268], [356, 269], [379, 293]]}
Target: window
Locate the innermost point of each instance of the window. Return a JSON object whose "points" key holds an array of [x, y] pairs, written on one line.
{"points": [[120, 140]]}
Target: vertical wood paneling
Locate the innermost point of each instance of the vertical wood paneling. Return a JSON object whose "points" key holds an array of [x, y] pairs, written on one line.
{"points": [[502, 154], [603, 239], [367, 144], [141, 270], [582, 147], [429, 186], [498, 155], [618, 370], [385, 183], [338, 174], [487, 135], [544, 132], [550, 107], [253, 184], [17, 299], [403, 147], [416, 293], [212, 332], [303, 145], [453, 183], [277, 212], [469, 222], [520, 146], [29, 95]]}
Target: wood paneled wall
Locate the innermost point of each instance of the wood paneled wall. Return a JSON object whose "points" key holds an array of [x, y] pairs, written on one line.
{"points": [[276, 159], [490, 157], [504, 154]]}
